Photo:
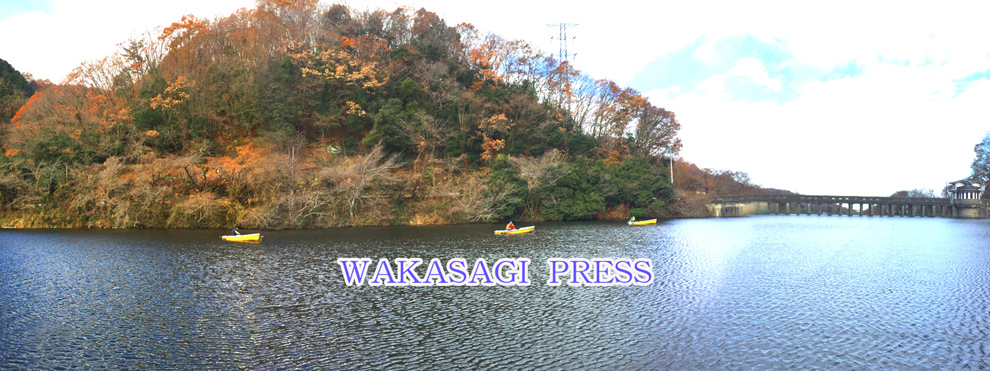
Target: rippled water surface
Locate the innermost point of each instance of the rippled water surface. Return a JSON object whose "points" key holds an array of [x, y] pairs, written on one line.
{"points": [[771, 292]]}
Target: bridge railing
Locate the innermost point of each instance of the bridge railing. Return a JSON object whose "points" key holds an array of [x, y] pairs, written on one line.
{"points": [[831, 199]]}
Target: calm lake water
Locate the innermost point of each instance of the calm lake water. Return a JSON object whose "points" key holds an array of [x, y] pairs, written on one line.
{"points": [[769, 292]]}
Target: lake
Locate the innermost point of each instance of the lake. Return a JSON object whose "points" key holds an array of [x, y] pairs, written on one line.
{"points": [[766, 292]]}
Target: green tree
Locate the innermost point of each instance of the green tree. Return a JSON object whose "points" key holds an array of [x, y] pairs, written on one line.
{"points": [[14, 91], [389, 129], [981, 164], [506, 189]]}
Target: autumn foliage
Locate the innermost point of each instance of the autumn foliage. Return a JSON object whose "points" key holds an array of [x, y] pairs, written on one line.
{"points": [[294, 114]]}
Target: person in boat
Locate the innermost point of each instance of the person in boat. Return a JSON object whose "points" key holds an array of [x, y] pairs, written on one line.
{"points": [[633, 219], [235, 232], [510, 226]]}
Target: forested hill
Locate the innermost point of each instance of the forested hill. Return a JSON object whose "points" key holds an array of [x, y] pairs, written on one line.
{"points": [[300, 115], [14, 91]]}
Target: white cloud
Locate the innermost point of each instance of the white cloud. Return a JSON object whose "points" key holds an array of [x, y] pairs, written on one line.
{"points": [[714, 86], [754, 70], [705, 52], [891, 128]]}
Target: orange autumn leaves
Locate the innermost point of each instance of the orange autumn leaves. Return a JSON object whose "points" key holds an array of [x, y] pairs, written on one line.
{"points": [[176, 93], [68, 111], [495, 125]]}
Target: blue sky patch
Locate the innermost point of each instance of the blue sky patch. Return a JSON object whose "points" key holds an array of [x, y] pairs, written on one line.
{"points": [[963, 83], [689, 66], [849, 69], [12, 8]]}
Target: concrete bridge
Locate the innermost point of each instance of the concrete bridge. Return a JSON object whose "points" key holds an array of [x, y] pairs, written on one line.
{"points": [[854, 205]]}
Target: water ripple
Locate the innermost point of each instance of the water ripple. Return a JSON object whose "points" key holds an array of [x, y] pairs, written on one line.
{"points": [[753, 293]]}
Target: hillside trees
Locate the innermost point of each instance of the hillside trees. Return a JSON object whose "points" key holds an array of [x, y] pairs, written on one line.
{"points": [[14, 91], [292, 114]]}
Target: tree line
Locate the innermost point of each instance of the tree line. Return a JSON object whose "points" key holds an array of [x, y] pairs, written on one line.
{"points": [[294, 114]]}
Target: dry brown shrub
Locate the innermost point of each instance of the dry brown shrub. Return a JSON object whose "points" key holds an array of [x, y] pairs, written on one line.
{"points": [[201, 210]]}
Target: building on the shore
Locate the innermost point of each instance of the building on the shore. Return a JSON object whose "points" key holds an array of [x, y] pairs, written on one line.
{"points": [[966, 197]]}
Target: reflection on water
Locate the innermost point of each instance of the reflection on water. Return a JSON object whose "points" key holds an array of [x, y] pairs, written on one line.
{"points": [[762, 292]]}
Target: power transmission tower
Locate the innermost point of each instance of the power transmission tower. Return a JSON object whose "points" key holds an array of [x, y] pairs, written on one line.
{"points": [[562, 40], [564, 90]]}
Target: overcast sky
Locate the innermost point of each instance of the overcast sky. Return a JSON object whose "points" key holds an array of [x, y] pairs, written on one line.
{"points": [[840, 98]]}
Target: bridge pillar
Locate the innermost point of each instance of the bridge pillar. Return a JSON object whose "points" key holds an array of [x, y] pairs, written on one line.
{"points": [[787, 208]]}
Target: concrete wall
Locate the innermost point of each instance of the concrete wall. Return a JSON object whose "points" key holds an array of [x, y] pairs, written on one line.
{"points": [[741, 209], [965, 212]]}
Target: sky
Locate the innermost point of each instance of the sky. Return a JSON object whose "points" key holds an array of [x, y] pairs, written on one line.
{"points": [[834, 98]]}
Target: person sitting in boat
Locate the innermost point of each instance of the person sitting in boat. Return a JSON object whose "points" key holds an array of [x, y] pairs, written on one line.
{"points": [[510, 226], [235, 232], [633, 219]]}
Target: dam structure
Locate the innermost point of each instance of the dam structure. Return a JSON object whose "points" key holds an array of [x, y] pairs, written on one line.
{"points": [[964, 201]]}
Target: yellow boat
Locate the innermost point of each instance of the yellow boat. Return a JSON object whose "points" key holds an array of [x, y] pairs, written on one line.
{"points": [[643, 222], [254, 237], [517, 230]]}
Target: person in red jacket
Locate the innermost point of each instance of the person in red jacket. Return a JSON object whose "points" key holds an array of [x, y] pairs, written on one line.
{"points": [[510, 226]]}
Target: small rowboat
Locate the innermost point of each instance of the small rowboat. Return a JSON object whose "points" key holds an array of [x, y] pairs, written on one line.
{"points": [[517, 230], [643, 222], [254, 237]]}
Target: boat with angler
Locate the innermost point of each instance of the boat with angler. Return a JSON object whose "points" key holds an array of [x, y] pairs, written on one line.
{"points": [[643, 222], [517, 230], [254, 237]]}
